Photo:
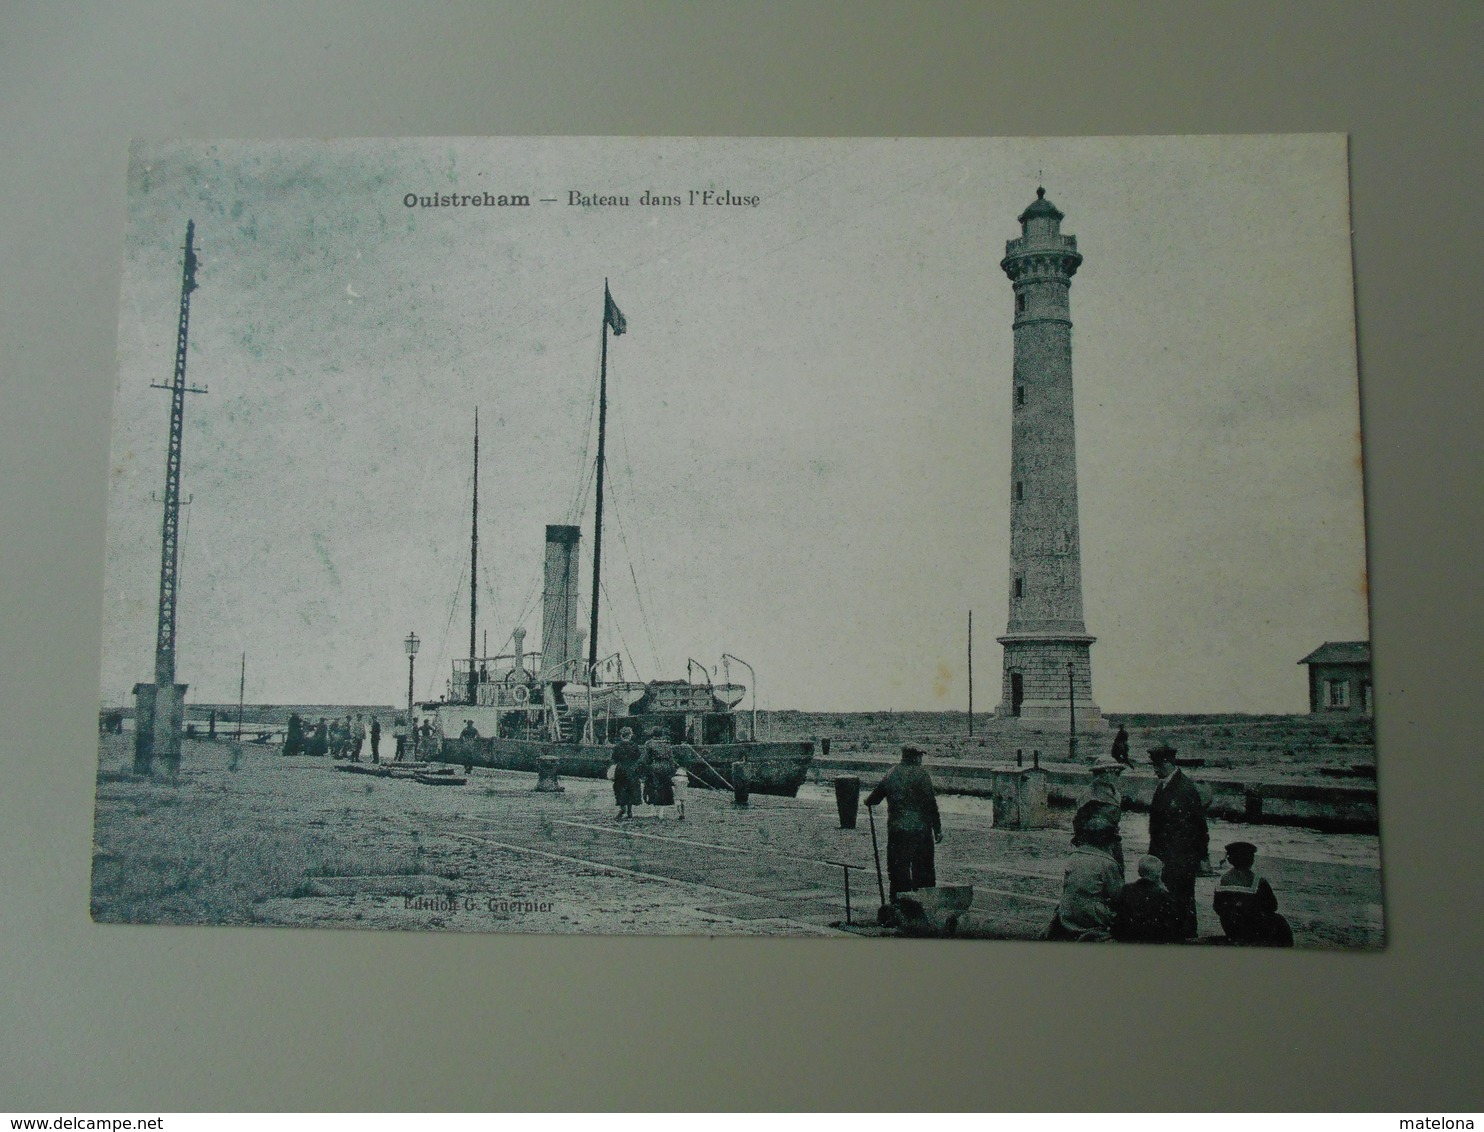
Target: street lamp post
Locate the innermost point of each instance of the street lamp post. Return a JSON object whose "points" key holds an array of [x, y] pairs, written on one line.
{"points": [[1071, 714], [410, 644]]}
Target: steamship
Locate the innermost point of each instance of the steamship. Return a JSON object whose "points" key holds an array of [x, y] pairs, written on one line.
{"points": [[509, 710]]}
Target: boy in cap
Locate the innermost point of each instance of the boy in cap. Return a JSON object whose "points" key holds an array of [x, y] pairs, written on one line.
{"points": [[1177, 833], [1246, 905], [912, 823], [1145, 912]]}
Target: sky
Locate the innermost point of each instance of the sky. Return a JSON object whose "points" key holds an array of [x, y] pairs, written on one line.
{"points": [[809, 416]]}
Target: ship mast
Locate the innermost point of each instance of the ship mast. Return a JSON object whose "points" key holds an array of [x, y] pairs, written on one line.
{"points": [[612, 317], [474, 565]]}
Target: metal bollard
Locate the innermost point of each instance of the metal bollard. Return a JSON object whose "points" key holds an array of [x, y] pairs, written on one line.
{"points": [[546, 776], [741, 783]]}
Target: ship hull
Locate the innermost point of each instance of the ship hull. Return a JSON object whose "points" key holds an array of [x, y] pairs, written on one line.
{"points": [[773, 768]]}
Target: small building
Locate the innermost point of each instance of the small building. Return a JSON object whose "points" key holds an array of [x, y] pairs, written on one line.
{"points": [[1340, 677]]}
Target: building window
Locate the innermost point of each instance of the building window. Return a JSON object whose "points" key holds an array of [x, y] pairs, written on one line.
{"points": [[1019, 588], [1337, 693], [1020, 394], [1019, 490]]}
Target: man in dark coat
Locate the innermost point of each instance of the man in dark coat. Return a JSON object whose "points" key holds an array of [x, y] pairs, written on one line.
{"points": [[1246, 905], [293, 743], [1145, 911], [912, 823], [375, 739], [1120, 746], [1177, 833]]}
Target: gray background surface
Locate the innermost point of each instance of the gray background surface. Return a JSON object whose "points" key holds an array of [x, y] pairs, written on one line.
{"points": [[116, 1018]]}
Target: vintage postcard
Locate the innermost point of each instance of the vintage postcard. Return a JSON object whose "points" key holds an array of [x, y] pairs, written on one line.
{"points": [[873, 537]]}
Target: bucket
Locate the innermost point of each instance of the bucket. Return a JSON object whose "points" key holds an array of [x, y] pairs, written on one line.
{"points": [[847, 799]]}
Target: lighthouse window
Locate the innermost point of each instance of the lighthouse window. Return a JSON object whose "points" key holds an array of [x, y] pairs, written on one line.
{"points": [[1019, 302], [1019, 490], [1019, 588], [1020, 394]]}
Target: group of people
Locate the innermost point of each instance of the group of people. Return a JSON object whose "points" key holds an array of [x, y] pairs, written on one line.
{"points": [[644, 776], [1160, 907], [342, 739]]}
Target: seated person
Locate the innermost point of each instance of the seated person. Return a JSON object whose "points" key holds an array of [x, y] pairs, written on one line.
{"points": [[1246, 905], [1091, 888], [1146, 912]]}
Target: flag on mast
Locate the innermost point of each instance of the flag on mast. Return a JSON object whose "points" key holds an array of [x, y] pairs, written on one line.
{"points": [[611, 314]]}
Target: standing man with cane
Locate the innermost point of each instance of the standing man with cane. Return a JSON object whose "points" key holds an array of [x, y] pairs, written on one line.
{"points": [[912, 823]]}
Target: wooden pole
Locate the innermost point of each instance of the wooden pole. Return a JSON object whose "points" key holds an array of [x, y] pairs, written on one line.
{"points": [[241, 689], [876, 852], [474, 564], [971, 674]]}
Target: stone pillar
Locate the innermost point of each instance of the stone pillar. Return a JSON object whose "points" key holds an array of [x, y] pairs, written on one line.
{"points": [[1020, 798], [144, 728], [159, 715]]}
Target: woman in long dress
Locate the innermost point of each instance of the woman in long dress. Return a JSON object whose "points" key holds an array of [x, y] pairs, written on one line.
{"points": [[627, 786], [660, 770]]}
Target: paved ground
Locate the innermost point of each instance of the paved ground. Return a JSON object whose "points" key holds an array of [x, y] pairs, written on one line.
{"points": [[294, 841]]}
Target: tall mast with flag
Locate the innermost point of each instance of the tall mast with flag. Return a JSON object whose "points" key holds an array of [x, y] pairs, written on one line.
{"points": [[612, 319]]}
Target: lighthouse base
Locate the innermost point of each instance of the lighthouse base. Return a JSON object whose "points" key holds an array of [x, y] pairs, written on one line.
{"points": [[1048, 684]]}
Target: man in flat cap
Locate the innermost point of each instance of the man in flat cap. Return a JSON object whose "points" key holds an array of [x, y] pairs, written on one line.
{"points": [[1177, 833], [912, 823], [1245, 902]]}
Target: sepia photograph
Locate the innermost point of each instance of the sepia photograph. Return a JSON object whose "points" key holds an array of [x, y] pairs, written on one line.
{"points": [[950, 538]]}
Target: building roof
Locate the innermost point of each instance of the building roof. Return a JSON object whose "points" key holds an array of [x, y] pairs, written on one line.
{"points": [[1040, 207], [1340, 652]]}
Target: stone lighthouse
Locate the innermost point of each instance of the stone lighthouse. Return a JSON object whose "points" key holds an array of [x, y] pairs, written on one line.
{"points": [[1047, 669]]}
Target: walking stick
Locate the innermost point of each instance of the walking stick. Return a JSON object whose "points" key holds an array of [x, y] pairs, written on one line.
{"points": [[883, 914]]}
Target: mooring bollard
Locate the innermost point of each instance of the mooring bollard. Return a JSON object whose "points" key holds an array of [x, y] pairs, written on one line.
{"points": [[546, 775], [847, 799], [741, 783]]}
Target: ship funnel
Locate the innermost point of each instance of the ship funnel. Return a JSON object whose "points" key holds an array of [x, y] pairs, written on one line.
{"points": [[559, 604], [520, 650]]}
